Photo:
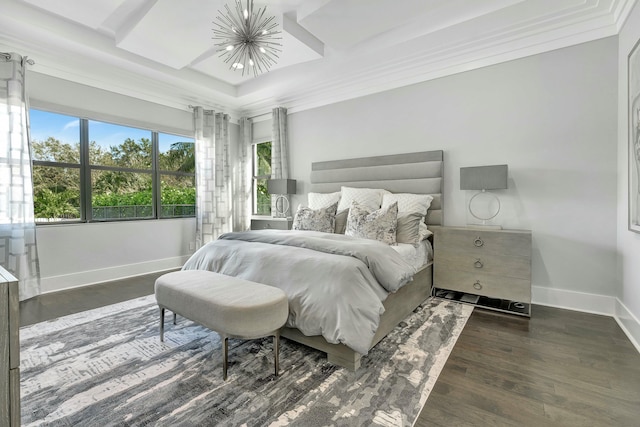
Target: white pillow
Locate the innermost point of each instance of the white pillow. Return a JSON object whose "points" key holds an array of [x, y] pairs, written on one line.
{"points": [[424, 231], [371, 198], [407, 202], [323, 200]]}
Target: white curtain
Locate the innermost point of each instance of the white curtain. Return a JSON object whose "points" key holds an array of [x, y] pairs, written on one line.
{"points": [[18, 250], [213, 176], [279, 148], [243, 177]]}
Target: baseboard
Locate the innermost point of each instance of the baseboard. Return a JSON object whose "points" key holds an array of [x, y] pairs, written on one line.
{"points": [[572, 300], [590, 303], [91, 277], [629, 323]]}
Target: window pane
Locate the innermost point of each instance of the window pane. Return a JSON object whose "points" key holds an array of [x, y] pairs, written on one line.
{"points": [[263, 159], [56, 193], [54, 137], [263, 199], [178, 196], [177, 153], [121, 195], [120, 146]]}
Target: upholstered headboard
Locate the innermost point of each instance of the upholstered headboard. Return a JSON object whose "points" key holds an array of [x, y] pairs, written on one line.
{"points": [[419, 173]]}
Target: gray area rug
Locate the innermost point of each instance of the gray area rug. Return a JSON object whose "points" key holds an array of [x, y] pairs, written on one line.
{"points": [[107, 367]]}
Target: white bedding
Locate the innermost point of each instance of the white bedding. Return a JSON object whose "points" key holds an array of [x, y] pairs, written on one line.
{"points": [[418, 256], [335, 283]]}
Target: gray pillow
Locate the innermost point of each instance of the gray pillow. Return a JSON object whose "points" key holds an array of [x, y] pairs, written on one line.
{"points": [[315, 219], [341, 221], [408, 230], [377, 225]]}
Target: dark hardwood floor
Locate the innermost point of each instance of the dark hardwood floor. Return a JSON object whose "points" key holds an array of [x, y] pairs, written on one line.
{"points": [[560, 367], [52, 305]]}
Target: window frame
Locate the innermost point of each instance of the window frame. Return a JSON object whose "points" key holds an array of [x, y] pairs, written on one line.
{"points": [[254, 177], [86, 169]]}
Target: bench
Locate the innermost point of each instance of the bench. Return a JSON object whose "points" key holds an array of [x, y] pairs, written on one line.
{"points": [[232, 307]]}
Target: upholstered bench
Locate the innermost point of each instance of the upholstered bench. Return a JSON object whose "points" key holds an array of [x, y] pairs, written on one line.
{"points": [[232, 307]]}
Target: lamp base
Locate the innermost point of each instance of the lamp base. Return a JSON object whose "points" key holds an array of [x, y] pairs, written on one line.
{"points": [[281, 205], [482, 209]]}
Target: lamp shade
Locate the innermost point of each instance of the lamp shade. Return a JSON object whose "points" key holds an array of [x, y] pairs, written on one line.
{"points": [[484, 177], [281, 186]]}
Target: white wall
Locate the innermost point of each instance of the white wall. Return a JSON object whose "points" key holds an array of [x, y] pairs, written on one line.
{"points": [[80, 254], [551, 117], [628, 308]]}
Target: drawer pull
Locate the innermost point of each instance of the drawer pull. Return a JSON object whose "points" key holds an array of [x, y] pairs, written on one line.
{"points": [[478, 263], [477, 285], [478, 242]]}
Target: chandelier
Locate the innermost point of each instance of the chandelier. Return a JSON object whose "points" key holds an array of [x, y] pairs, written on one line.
{"points": [[247, 40]]}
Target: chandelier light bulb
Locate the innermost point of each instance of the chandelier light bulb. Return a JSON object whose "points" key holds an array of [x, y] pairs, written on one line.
{"points": [[246, 38]]}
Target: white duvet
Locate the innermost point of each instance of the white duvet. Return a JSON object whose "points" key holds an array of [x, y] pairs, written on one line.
{"points": [[335, 283]]}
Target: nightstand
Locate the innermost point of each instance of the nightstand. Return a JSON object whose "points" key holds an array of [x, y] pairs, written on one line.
{"points": [[488, 267], [271, 223]]}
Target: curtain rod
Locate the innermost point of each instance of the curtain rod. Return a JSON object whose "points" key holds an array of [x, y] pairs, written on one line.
{"points": [[26, 59], [192, 107], [260, 115]]}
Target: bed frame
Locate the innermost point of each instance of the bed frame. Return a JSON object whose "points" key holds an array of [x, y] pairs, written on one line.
{"points": [[419, 173]]}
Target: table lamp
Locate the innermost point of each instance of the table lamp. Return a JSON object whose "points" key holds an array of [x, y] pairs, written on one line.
{"points": [[282, 188], [483, 179]]}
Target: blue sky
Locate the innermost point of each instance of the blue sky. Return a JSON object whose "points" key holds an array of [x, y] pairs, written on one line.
{"points": [[67, 130]]}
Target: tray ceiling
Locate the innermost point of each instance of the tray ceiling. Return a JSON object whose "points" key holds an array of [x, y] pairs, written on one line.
{"points": [[162, 50]]}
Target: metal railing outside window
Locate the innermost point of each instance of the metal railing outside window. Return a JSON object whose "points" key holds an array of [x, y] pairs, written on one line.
{"points": [[85, 170]]}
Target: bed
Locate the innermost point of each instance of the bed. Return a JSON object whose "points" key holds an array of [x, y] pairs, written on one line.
{"points": [[417, 173]]}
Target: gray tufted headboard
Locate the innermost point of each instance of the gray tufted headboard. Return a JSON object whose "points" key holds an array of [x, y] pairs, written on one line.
{"points": [[419, 173]]}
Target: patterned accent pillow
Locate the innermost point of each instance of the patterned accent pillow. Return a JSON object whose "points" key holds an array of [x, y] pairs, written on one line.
{"points": [[323, 200], [315, 219], [377, 225], [371, 198]]}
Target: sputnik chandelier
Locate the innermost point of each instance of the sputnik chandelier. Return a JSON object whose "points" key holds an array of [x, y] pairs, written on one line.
{"points": [[247, 40]]}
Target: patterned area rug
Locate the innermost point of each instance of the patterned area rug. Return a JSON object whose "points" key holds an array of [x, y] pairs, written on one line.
{"points": [[107, 367]]}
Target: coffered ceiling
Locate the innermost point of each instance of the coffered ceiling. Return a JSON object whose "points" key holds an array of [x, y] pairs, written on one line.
{"points": [[332, 50]]}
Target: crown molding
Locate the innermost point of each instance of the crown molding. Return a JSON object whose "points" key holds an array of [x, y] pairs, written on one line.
{"points": [[91, 59], [415, 67]]}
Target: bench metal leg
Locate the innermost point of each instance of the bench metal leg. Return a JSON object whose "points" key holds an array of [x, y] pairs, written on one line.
{"points": [[225, 351], [161, 324], [276, 351], [175, 316]]}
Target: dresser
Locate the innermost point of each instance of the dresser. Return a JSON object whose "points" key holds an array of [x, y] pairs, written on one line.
{"points": [[271, 223], [9, 351], [494, 265]]}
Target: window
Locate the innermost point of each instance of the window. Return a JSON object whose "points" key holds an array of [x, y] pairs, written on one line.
{"points": [[261, 173], [176, 171], [86, 170]]}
